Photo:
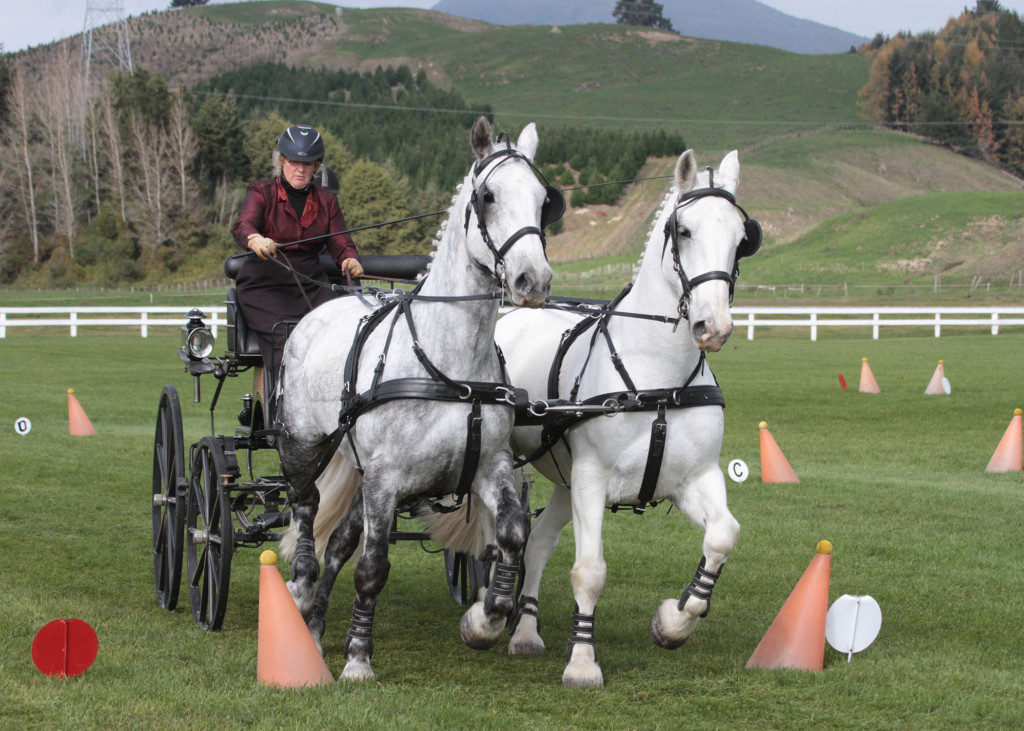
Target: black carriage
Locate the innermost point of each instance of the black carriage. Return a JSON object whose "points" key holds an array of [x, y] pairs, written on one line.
{"points": [[207, 502]]}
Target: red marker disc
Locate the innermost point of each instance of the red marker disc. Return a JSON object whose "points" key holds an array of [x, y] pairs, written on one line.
{"points": [[842, 381], [65, 647]]}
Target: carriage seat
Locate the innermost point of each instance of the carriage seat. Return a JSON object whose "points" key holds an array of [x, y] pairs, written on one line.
{"points": [[242, 344]]}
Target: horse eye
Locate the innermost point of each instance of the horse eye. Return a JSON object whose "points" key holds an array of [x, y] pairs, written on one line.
{"points": [[684, 233], [488, 197]]}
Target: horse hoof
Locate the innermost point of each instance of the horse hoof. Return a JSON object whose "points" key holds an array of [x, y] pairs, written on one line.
{"points": [[670, 628], [582, 674], [358, 670], [525, 644], [479, 632]]}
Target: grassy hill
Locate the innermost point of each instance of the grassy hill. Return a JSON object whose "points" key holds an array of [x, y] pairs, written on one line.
{"points": [[811, 170]]}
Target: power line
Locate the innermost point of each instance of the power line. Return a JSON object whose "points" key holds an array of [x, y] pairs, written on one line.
{"points": [[592, 118]]}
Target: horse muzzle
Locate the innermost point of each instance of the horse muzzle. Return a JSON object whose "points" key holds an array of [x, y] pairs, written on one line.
{"points": [[710, 335], [530, 286]]}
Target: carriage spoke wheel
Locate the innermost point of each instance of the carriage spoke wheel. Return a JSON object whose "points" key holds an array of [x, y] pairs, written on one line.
{"points": [[210, 535], [169, 488]]}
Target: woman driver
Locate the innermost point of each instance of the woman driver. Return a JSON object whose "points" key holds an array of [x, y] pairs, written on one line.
{"points": [[276, 211]]}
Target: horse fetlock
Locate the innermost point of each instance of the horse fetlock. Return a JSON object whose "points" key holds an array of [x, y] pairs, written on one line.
{"points": [[671, 627], [479, 630], [302, 593], [499, 600]]}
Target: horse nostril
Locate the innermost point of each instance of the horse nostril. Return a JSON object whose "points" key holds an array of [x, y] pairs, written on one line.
{"points": [[699, 329], [524, 282]]}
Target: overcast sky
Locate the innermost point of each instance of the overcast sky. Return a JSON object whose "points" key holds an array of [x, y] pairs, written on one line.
{"points": [[24, 24]]}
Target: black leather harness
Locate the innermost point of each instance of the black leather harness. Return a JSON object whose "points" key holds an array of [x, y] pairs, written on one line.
{"points": [[629, 400]]}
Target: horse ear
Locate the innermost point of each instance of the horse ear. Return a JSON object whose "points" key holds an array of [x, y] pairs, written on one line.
{"points": [[480, 137], [729, 172], [686, 171], [527, 142]]}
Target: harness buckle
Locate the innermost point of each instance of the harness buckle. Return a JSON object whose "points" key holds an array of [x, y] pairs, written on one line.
{"points": [[613, 407], [508, 397], [468, 393], [538, 408]]}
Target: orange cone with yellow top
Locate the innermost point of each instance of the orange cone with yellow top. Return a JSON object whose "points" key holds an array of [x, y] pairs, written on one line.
{"points": [[1008, 455], [935, 385], [796, 639], [78, 423], [868, 384], [286, 654], [774, 465]]}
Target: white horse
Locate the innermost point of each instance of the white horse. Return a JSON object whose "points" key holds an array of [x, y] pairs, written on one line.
{"points": [[687, 271], [413, 376]]}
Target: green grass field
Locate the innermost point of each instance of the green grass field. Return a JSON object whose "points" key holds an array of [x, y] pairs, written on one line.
{"points": [[895, 481]]}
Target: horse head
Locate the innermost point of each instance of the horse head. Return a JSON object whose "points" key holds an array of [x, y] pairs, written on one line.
{"points": [[510, 203], [706, 232]]}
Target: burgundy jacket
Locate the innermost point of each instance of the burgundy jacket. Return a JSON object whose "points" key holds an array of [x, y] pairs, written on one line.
{"points": [[267, 292], [266, 211]]}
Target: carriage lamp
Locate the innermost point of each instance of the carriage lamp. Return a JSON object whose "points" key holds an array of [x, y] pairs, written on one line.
{"points": [[196, 338]]}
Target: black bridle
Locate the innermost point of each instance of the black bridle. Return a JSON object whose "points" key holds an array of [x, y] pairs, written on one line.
{"points": [[552, 210], [747, 247]]}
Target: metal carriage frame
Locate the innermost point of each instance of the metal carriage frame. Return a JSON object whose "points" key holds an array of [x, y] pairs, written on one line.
{"points": [[206, 503]]}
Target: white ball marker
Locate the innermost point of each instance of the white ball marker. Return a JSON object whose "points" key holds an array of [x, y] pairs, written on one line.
{"points": [[852, 623], [22, 425], [738, 470]]}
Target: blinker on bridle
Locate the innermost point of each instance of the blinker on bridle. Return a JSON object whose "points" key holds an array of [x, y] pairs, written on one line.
{"points": [[748, 246], [551, 211]]}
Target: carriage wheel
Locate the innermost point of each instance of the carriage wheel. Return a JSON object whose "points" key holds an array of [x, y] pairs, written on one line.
{"points": [[466, 574], [211, 535], [169, 487]]}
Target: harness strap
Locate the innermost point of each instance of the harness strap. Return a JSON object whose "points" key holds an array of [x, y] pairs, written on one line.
{"points": [[471, 457], [655, 455], [525, 605]]}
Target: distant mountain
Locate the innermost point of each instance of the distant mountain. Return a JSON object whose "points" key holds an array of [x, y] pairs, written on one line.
{"points": [[744, 21]]}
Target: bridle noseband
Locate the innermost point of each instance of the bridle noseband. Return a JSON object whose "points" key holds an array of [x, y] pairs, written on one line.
{"points": [[748, 246], [552, 210]]}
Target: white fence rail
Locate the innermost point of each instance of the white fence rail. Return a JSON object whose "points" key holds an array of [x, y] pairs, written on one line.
{"points": [[76, 317], [750, 318], [876, 318]]}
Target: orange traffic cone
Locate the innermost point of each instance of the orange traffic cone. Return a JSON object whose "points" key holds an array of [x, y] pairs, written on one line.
{"points": [[286, 655], [935, 385], [796, 639], [868, 384], [1007, 457], [774, 465], [78, 423]]}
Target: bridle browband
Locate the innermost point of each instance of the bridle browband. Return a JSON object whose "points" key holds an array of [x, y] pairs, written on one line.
{"points": [[747, 247], [554, 205]]}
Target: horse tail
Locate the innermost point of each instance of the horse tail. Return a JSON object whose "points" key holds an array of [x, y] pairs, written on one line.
{"points": [[453, 531], [337, 485]]}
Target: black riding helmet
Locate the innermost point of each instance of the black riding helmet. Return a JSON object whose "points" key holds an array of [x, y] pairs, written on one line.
{"points": [[301, 143]]}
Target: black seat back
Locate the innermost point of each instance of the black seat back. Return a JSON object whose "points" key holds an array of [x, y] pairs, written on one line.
{"points": [[242, 344], [393, 266]]}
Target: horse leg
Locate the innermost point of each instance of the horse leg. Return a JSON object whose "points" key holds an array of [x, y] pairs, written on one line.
{"points": [[483, 622], [342, 544], [704, 503], [588, 577], [526, 638], [299, 464]]}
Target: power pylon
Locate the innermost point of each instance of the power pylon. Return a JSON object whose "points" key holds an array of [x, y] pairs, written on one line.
{"points": [[106, 46]]}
